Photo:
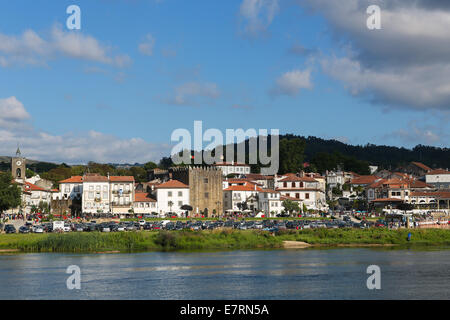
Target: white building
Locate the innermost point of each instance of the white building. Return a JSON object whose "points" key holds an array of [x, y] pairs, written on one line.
{"points": [[33, 195], [305, 189], [144, 204], [269, 202], [71, 188], [438, 178], [122, 194], [241, 193], [171, 196], [96, 194], [233, 168]]}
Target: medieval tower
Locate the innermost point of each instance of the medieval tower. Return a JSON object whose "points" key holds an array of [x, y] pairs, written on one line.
{"points": [[18, 166]]}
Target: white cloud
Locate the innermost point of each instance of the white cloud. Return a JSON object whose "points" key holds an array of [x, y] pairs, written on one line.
{"points": [[290, 83], [258, 14], [418, 87], [146, 46], [405, 64], [419, 133], [31, 48], [71, 147], [12, 109], [190, 93]]}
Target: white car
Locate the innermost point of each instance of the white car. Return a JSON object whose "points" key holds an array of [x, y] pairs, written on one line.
{"points": [[67, 229], [37, 229], [141, 223]]}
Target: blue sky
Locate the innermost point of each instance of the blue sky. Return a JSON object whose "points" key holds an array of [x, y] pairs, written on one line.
{"points": [[145, 68]]}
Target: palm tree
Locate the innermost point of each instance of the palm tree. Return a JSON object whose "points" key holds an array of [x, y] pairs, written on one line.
{"points": [[170, 203]]}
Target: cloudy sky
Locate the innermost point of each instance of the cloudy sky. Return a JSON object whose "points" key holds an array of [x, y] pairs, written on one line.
{"points": [[115, 90]]}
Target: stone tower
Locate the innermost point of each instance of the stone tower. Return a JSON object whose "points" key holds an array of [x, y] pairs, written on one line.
{"points": [[205, 188], [18, 166]]}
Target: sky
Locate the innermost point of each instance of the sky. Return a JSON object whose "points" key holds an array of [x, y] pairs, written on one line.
{"points": [[115, 90]]}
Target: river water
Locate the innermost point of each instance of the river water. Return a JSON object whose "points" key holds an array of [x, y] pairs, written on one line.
{"points": [[274, 274]]}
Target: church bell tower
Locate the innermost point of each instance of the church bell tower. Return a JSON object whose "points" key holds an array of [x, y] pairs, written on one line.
{"points": [[18, 168]]}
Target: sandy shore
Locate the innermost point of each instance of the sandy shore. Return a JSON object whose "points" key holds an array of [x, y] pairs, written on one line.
{"points": [[295, 244]]}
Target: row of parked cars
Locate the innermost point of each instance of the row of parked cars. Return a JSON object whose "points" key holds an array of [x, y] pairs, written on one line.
{"points": [[267, 225]]}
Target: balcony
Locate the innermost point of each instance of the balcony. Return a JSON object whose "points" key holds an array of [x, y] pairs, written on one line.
{"points": [[123, 191], [121, 205]]}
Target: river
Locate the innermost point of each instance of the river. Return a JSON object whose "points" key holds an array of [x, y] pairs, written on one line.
{"points": [[266, 274]]}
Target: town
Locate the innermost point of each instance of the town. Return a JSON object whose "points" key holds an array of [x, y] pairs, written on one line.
{"points": [[230, 189]]}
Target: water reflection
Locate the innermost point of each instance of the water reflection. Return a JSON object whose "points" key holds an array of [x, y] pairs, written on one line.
{"points": [[278, 274]]}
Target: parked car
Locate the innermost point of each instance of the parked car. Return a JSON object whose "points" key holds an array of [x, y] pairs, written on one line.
{"points": [[9, 228], [24, 229], [37, 229]]}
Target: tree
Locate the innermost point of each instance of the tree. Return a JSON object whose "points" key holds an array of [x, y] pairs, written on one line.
{"points": [[290, 206], [291, 155], [150, 166], [30, 173], [165, 163], [139, 174], [10, 194], [170, 203]]}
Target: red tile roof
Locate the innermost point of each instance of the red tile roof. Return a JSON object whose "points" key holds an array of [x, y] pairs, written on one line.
{"points": [[121, 179], [246, 187], [438, 171], [421, 166], [436, 194], [364, 180], [73, 179], [143, 197], [32, 187], [94, 178], [172, 184], [294, 178]]}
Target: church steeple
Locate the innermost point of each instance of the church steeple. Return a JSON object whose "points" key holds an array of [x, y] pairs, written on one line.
{"points": [[18, 154]]}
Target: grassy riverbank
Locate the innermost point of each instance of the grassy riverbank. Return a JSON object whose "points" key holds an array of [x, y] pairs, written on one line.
{"points": [[215, 240]]}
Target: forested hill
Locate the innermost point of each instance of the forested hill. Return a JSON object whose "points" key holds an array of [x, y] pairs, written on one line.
{"points": [[383, 156]]}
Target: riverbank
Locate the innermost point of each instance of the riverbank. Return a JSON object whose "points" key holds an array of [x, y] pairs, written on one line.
{"points": [[225, 239]]}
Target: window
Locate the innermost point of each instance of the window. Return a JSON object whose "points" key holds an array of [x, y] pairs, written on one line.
{"points": [[285, 184], [206, 195], [205, 180], [180, 193], [169, 194], [180, 203], [91, 195], [105, 188], [297, 195], [105, 195], [306, 195], [97, 188], [91, 188], [301, 184]]}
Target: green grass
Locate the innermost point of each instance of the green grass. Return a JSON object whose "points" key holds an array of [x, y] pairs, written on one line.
{"points": [[223, 219], [224, 239], [369, 236]]}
